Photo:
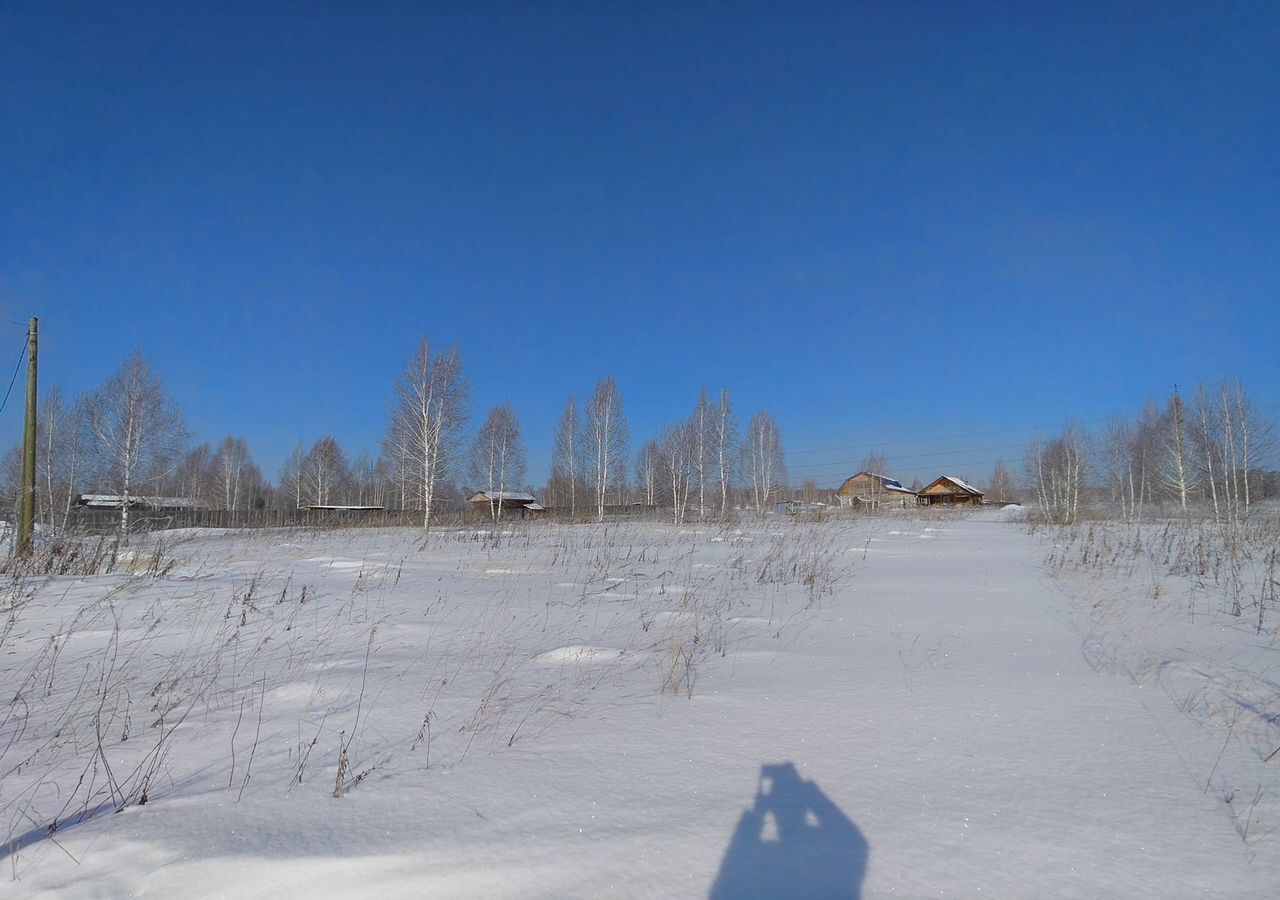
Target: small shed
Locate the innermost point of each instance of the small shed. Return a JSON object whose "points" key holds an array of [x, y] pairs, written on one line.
{"points": [[867, 490], [519, 502], [947, 490]]}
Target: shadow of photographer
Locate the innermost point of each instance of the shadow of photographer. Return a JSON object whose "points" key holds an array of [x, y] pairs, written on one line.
{"points": [[793, 842]]}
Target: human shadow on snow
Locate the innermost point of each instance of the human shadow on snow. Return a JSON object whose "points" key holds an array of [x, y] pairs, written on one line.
{"points": [[792, 842]]}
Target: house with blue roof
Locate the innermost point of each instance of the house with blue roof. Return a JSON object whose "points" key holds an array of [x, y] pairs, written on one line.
{"points": [[868, 491]]}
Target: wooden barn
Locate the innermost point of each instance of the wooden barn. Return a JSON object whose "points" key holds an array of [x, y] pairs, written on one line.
{"points": [[947, 490], [154, 504], [867, 490], [522, 504]]}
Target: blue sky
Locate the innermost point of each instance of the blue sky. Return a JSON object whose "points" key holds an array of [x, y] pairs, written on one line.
{"points": [[928, 228]]}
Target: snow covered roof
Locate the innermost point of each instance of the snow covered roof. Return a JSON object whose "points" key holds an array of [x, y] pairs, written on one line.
{"points": [[958, 482], [519, 496], [115, 501], [889, 484], [537, 507], [102, 500]]}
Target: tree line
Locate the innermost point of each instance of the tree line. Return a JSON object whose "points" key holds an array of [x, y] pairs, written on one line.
{"points": [[1212, 454], [130, 440]]}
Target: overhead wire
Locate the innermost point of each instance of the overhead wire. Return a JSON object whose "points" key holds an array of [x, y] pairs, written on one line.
{"points": [[942, 437], [22, 354]]}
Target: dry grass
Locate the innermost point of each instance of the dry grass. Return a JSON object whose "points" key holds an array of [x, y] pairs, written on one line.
{"points": [[238, 664]]}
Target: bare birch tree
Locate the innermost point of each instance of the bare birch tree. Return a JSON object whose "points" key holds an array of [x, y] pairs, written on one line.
{"points": [[11, 480], [677, 451], [1122, 456], [427, 415], [60, 435], [1057, 471], [1146, 450], [291, 478], [764, 458], [725, 445], [234, 473], [191, 476], [608, 437], [1229, 435], [394, 465], [498, 455], [325, 473], [1176, 467], [1206, 441], [362, 478], [139, 431], [1001, 485], [647, 466], [1251, 440], [701, 424], [566, 454], [875, 463]]}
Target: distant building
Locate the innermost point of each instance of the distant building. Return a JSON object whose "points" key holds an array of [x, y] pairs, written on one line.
{"points": [[523, 504], [798, 507], [867, 490], [337, 507], [161, 504], [947, 490]]}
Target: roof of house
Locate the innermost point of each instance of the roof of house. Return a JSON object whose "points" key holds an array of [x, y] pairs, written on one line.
{"points": [[958, 482], [889, 484], [339, 506], [518, 496]]}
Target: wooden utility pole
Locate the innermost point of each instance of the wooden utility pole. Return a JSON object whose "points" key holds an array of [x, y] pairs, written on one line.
{"points": [[27, 512]]}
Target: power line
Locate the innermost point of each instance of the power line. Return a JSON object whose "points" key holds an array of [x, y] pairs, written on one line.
{"points": [[914, 456], [941, 437], [21, 356]]}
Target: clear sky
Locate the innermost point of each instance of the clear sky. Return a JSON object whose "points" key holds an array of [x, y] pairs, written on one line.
{"points": [[947, 224]]}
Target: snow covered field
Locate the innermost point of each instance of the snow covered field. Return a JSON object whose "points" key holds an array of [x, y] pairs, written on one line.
{"points": [[914, 706]]}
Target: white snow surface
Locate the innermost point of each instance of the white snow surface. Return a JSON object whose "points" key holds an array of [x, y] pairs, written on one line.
{"points": [[763, 710]]}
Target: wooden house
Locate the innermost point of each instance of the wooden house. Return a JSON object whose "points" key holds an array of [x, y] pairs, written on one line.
{"points": [[867, 490], [947, 490], [522, 504]]}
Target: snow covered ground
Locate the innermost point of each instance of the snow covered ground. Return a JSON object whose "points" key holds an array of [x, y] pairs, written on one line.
{"points": [[907, 706]]}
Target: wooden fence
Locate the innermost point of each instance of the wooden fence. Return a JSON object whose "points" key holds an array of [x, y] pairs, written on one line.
{"points": [[87, 520]]}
